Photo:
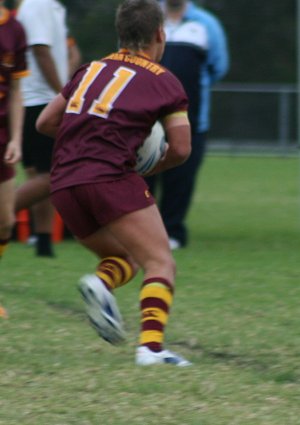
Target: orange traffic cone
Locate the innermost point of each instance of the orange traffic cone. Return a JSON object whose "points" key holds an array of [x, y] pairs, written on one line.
{"points": [[58, 228], [23, 226]]}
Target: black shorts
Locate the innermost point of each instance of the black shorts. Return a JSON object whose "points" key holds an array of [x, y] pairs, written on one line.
{"points": [[37, 148]]}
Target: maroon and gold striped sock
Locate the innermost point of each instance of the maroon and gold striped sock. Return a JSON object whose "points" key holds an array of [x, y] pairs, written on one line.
{"points": [[114, 272], [155, 301], [3, 246]]}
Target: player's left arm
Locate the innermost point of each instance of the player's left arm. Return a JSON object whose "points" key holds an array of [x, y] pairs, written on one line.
{"points": [[15, 117], [50, 118], [178, 135]]}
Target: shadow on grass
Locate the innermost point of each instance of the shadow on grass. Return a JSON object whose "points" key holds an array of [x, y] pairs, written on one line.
{"points": [[264, 364]]}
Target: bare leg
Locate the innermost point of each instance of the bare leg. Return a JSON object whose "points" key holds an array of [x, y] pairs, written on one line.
{"points": [[142, 234], [35, 189], [43, 214], [7, 198], [107, 247], [34, 194], [7, 219]]}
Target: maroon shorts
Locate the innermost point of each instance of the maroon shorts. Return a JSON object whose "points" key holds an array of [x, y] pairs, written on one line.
{"points": [[7, 172], [86, 208]]}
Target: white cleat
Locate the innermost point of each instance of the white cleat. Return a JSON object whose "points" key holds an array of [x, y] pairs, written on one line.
{"points": [[102, 309], [174, 244], [146, 357]]}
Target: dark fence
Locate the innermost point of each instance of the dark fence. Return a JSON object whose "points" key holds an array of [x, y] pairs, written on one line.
{"points": [[254, 117]]}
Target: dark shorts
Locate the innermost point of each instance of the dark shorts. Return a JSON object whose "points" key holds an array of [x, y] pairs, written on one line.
{"points": [[7, 172], [87, 207], [37, 148]]}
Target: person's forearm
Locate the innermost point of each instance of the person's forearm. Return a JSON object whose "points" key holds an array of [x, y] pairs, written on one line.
{"points": [[16, 112], [74, 59], [47, 65]]}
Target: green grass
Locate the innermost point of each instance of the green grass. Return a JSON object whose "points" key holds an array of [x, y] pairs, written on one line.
{"points": [[235, 315]]}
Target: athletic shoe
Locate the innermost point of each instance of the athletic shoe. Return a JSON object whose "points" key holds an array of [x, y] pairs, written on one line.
{"points": [[174, 244], [146, 357], [102, 309], [32, 240]]}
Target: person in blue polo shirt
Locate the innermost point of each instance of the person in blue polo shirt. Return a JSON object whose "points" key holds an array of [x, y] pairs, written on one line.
{"points": [[197, 53]]}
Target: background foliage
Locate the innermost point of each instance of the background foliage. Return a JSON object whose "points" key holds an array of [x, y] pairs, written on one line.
{"points": [[262, 38], [262, 35]]}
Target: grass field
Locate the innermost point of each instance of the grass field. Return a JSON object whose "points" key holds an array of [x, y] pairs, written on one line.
{"points": [[235, 316]]}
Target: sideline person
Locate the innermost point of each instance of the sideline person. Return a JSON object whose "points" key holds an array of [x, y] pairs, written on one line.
{"points": [[12, 69], [197, 53], [99, 120], [74, 55], [44, 22]]}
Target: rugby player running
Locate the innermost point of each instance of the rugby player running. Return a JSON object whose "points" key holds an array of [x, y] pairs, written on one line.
{"points": [[99, 121]]}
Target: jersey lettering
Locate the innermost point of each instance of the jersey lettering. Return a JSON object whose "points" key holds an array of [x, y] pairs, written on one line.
{"points": [[101, 106]]}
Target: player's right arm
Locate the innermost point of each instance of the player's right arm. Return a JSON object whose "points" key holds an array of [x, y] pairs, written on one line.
{"points": [[51, 116]]}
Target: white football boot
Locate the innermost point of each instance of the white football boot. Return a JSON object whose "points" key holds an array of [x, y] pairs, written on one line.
{"points": [[102, 309], [146, 357]]}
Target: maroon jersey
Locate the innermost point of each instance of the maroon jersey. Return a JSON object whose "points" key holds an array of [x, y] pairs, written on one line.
{"points": [[112, 105], [12, 64]]}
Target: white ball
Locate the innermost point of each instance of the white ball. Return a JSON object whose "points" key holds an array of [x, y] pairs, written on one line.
{"points": [[151, 150]]}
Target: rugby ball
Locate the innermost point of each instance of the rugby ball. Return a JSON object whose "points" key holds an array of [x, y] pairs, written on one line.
{"points": [[151, 150]]}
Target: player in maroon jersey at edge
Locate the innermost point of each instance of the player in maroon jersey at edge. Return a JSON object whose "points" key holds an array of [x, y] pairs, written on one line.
{"points": [[12, 68], [100, 119]]}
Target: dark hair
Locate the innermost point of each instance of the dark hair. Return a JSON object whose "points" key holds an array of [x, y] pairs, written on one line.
{"points": [[137, 21]]}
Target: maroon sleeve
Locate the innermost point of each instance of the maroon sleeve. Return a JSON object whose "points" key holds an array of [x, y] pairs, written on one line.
{"points": [[176, 98], [20, 65]]}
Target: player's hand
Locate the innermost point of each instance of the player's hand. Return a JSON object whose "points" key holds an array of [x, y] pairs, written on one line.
{"points": [[165, 152], [157, 168], [12, 153]]}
